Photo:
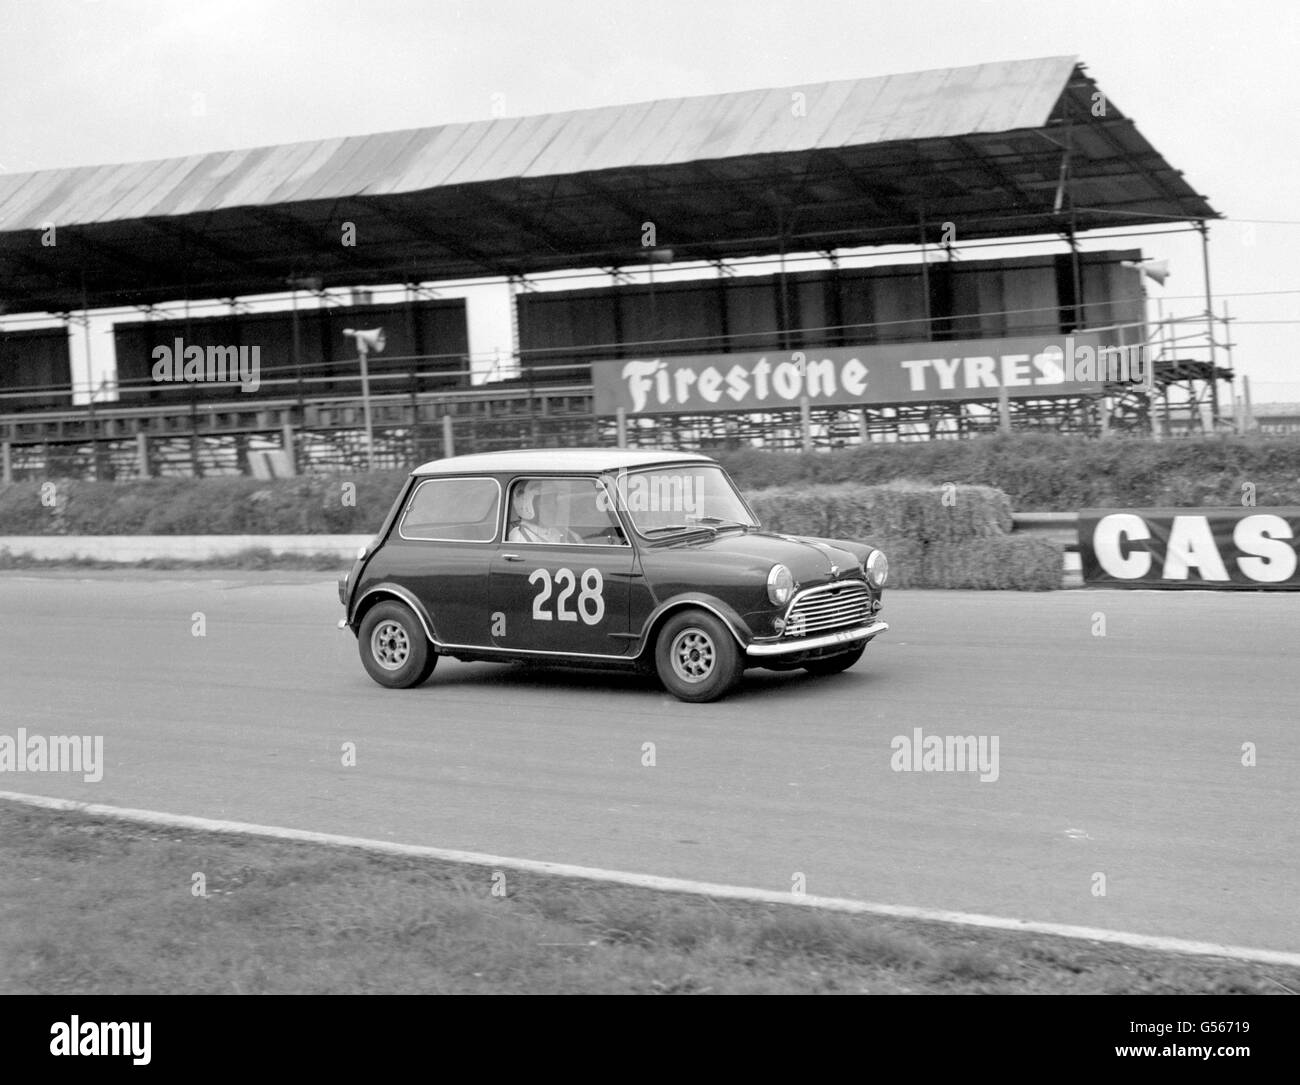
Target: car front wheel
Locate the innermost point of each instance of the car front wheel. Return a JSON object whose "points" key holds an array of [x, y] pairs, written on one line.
{"points": [[394, 649], [697, 658]]}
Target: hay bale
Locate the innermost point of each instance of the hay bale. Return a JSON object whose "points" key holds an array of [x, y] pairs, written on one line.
{"points": [[1003, 562], [1007, 562], [907, 510], [934, 536]]}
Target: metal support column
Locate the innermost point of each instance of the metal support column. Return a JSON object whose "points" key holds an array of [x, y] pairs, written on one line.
{"points": [[1209, 324], [448, 437]]}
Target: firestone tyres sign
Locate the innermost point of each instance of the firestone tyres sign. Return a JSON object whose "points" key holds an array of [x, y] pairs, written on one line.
{"points": [[1190, 548], [962, 369]]}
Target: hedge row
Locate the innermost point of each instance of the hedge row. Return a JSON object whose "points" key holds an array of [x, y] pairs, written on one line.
{"points": [[309, 505], [316, 505], [1053, 473], [1037, 472]]}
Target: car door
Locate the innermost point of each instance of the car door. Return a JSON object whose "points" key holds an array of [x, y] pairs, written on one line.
{"points": [[442, 550], [560, 582]]}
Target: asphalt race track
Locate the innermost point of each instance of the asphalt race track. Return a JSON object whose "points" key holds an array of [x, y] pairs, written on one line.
{"points": [[1119, 755]]}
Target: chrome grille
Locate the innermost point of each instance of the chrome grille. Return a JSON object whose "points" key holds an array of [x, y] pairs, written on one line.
{"points": [[822, 610]]}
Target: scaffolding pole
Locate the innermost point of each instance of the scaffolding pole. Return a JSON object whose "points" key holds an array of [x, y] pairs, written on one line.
{"points": [[1209, 324]]}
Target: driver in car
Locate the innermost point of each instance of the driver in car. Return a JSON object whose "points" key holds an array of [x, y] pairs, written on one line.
{"points": [[525, 505]]}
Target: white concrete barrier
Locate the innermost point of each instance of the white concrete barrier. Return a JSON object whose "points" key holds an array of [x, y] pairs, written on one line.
{"points": [[127, 548]]}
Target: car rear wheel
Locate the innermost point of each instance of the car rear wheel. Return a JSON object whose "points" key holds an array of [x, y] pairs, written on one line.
{"points": [[697, 658], [394, 649], [835, 664]]}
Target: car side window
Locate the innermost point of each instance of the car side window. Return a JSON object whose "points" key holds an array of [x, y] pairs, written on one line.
{"points": [[452, 510], [565, 511]]}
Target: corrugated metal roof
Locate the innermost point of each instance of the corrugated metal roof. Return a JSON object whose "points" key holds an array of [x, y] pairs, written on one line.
{"points": [[920, 105], [822, 166]]}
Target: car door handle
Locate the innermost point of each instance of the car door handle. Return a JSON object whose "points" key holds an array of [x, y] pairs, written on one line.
{"points": [[511, 557]]}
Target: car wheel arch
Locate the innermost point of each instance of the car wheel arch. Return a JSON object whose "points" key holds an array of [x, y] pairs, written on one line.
{"points": [[725, 614], [391, 593]]}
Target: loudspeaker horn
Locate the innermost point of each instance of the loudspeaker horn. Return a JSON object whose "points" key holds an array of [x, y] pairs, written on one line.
{"points": [[1156, 270], [369, 340]]}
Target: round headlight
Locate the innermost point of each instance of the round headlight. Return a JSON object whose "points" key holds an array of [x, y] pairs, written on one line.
{"points": [[780, 585], [877, 568]]}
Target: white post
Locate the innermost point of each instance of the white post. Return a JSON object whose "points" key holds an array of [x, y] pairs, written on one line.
{"points": [[286, 442], [365, 408], [621, 415]]}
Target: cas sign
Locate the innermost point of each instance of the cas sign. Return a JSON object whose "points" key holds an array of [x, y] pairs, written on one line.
{"points": [[1190, 548]]}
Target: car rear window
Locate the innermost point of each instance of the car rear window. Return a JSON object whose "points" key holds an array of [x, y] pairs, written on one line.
{"points": [[452, 510]]}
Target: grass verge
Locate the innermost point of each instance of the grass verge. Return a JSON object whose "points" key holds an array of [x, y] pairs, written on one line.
{"points": [[90, 905]]}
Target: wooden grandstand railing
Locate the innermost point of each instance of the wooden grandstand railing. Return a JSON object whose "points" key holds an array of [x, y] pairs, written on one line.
{"points": [[424, 407]]}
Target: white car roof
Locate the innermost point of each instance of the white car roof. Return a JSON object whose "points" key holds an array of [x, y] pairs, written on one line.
{"points": [[563, 460]]}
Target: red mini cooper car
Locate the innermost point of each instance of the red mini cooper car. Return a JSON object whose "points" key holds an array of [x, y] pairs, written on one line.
{"points": [[603, 557]]}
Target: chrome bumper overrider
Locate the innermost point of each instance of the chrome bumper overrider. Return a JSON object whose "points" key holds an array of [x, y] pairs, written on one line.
{"points": [[807, 644]]}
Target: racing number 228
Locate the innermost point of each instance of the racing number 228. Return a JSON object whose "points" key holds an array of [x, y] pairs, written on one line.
{"points": [[591, 603]]}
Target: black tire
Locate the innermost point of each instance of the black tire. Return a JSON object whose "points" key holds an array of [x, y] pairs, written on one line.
{"points": [[696, 657], [394, 649], [835, 664]]}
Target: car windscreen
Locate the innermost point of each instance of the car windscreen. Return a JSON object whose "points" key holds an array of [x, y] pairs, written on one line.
{"points": [[662, 499]]}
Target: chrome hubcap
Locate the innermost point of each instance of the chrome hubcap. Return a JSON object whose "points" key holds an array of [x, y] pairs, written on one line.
{"points": [[390, 645], [693, 655]]}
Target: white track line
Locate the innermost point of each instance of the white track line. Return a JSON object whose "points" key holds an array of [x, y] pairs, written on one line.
{"points": [[671, 885]]}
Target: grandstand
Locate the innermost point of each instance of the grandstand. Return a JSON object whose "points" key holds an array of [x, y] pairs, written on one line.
{"points": [[826, 221]]}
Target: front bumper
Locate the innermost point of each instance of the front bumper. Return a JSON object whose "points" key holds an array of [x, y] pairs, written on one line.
{"points": [[798, 645]]}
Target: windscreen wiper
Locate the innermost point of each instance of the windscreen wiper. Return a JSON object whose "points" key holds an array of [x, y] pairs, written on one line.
{"points": [[680, 527], [720, 522]]}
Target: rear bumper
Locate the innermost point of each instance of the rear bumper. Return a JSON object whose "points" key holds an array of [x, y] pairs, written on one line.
{"points": [[796, 646]]}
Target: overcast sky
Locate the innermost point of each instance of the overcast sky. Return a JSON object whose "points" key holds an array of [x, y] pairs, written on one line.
{"points": [[1214, 86]]}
